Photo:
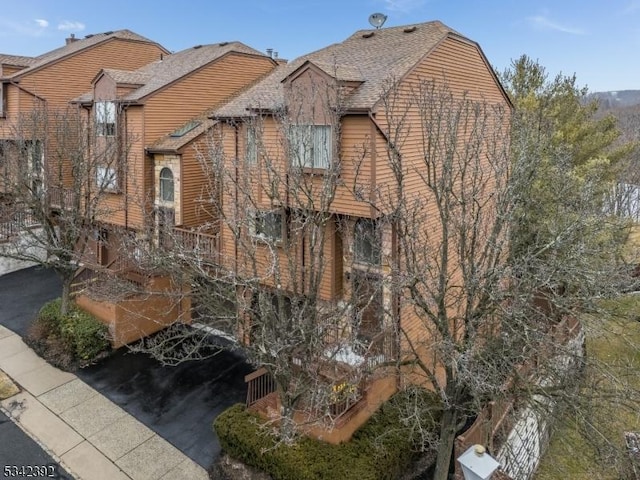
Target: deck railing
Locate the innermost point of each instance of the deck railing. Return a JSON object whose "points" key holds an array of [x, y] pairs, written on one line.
{"points": [[260, 384], [383, 349], [61, 197], [12, 224], [204, 245]]}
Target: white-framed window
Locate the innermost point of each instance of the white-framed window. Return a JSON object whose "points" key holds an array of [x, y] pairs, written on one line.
{"points": [[166, 185], [105, 119], [106, 178], [311, 146], [367, 242], [252, 145], [268, 225]]}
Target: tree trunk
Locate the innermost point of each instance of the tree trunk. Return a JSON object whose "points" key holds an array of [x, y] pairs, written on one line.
{"points": [[448, 428], [65, 298], [287, 422]]}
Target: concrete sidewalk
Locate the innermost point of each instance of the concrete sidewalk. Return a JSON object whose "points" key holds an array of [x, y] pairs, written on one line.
{"points": [[93, 438]]}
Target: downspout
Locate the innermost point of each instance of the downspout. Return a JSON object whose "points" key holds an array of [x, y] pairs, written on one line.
{"points": [[236, 154], [126, 183]]}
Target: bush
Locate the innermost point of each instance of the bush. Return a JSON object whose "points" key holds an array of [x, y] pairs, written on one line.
{"points": [[86, 334], [67, 341], [382, 449]]}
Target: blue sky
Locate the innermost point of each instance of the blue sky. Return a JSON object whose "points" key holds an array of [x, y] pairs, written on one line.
{"points": [[598, 40]]}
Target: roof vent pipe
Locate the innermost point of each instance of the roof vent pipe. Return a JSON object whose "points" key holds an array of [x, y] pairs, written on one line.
{"points": [[270, 52]]}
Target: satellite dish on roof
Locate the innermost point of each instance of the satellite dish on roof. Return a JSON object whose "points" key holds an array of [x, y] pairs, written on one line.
{"points": [[377, 19]]}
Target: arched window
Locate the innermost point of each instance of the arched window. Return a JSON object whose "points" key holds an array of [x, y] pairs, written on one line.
{"points": [[368, 242], [166, 185]]}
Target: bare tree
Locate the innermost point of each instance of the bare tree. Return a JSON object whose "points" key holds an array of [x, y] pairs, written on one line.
{"points": [[58, 169], [432, 286], [474, 313], [274, 286]]}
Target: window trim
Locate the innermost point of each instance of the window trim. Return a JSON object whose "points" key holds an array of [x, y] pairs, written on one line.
{"points": [[162, 181], [111, 184], [258, 215], [105, 118], [373, 257], [300, 157]]}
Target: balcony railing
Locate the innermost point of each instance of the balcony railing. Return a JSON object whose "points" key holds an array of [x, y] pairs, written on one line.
{"points": [[381, 349], [344, 401], [12, 224], [203, 245], [61, 197], [260, 384]]}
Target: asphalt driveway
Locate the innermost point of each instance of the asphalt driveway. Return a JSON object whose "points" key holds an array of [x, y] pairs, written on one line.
{"points": [[179, 403]]}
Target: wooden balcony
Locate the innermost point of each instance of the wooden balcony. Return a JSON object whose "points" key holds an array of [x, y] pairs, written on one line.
{"points": [[203, 245], [61, 198], [13, 223]]}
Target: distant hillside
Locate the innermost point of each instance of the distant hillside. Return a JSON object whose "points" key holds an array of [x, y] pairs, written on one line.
{"points": [[616, 99]]}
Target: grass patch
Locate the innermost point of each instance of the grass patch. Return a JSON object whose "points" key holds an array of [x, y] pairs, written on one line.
{"points": [[589, 440]]}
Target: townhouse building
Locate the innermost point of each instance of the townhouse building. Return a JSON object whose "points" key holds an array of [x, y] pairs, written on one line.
{"points": [[142, 193], [308, 164], [33, 87]]}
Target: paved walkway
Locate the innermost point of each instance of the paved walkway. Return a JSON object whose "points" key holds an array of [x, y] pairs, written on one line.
{"points": [[92, 437]]}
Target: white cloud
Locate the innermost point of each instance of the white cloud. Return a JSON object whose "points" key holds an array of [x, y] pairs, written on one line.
{"points": [[68, 25], [404, 6], [29, 28], [42, 22], [544, 23]]}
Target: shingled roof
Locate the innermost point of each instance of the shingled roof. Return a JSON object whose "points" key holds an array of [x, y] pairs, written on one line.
{"points": [[369, 56], [173, 67], [17, 60], [75, 47], [159, 74]]}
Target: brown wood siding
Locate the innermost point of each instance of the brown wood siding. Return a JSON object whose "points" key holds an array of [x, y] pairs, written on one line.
{"points": [[355, 169], [8, 70], [174, 105], [462, 66], [466, 73], [139, 174], [70, 77], [196, 192], [126, 208]]}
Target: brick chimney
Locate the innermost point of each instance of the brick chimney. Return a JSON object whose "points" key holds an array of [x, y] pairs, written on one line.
{"points": [[71, 39]]}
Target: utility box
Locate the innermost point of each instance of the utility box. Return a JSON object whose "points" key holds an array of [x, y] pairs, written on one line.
{"points": [[477, 464]]}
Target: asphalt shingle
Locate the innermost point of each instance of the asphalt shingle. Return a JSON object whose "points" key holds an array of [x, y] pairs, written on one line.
{"points": [[372, 57]]}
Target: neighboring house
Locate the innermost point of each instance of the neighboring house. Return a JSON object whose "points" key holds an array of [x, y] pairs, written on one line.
{"points": [[34, 85], [146, 196], [309, 149]]}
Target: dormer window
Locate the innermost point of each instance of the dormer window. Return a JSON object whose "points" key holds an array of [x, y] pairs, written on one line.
{"points": [[311, 146], [166, 185], [105, 119]]}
